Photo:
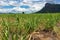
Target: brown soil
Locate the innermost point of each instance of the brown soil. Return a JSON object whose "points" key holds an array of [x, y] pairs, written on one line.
{"points": [[43, 35]]}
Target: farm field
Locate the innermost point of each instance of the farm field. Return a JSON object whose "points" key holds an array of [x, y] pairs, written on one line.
{"points": [[30, 26]]}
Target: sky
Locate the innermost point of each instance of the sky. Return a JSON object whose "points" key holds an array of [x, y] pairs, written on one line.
{"points": [[54, 1], [57, 1], [27, 6]]}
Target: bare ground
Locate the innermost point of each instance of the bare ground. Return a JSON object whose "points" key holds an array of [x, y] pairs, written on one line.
{"points": [[43, 35]]}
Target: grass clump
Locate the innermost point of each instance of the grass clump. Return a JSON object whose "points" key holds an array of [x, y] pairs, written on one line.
{"points": [[19, 26]]}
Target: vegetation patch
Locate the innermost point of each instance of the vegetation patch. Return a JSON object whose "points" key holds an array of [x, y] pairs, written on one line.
{"points": [[30, 26]]}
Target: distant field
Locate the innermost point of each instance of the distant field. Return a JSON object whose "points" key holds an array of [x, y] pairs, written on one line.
{"points": [[19, 26]]}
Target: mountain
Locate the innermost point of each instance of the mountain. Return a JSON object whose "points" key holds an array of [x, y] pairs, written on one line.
{"points": [[50, 8]]}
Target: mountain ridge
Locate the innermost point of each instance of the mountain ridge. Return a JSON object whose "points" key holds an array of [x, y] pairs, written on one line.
{"points": [[50, 8]]}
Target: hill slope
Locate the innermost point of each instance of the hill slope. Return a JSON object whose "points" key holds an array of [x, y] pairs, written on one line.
{"points": [[50, 8]]}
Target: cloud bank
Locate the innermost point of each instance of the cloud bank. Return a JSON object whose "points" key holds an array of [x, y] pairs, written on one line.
{"points": [[19, 6]]}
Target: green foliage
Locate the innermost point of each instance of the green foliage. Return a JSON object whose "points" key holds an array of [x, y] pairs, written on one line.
{"points": [[19, 26]]}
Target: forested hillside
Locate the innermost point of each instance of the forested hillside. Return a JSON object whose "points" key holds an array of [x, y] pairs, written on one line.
{"points": [[51, 8]]}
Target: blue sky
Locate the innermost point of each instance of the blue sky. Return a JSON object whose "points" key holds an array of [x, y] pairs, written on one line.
{"points": [[23, 5], [57, 1]]}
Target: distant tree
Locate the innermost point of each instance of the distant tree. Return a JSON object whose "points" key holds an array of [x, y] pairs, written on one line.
{"points": [[22, 12]]}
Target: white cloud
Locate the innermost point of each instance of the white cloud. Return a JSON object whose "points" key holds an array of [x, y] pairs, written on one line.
{"points": [[5, 10], [33, 7], [50, 1], [13, 3], [18, 9], [2, 3], [37, 7]]}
